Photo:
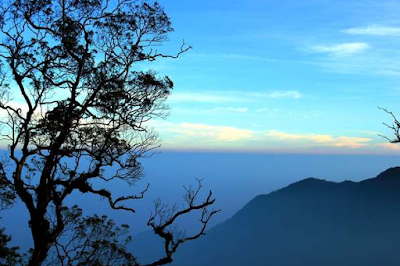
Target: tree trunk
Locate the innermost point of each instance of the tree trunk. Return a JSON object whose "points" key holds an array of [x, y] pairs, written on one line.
{"points": [[41, 239]]}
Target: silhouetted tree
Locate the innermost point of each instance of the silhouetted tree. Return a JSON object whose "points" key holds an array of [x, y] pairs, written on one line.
{"points": [[74, 114], [8, 256], [394, 127]]}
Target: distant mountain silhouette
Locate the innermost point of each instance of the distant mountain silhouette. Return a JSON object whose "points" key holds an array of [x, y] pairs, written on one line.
{"points": [[312, 222]]}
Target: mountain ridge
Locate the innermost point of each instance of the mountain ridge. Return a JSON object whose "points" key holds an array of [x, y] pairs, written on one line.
{"points": [[310, 222]]}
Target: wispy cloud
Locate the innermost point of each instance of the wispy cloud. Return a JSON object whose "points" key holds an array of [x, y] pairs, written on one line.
{"points": [[233, 96], [389, 146], [379, 63], [377, 30], [247, 57], [343, 49], [240, 57], [207, 97], [284, 94], [262, 110], [231, 109], [272, 94]]}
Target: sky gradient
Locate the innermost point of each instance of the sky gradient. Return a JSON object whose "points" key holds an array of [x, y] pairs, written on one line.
{"points": [[281, 76], [273, 76]]}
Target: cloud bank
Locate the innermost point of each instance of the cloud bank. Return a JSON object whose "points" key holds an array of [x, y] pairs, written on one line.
{"points": [[211, 137]]}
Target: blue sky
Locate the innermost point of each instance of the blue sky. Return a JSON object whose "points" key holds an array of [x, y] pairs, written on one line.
{"points": [[282, 76]]}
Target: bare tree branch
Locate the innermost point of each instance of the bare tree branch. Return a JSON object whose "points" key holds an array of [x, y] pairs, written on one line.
{"points": [[395, 127], [164, 217]]}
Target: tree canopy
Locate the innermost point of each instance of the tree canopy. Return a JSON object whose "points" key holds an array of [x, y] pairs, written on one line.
{"points": [[75, 111]]}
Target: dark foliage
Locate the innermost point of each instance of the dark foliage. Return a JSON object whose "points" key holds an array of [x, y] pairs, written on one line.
{"points": [[7, 193], [84, 113], [8, 256], [91, 241]]}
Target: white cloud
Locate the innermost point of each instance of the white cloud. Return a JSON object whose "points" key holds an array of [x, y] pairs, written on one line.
{"points": [[203, 135], [377, 30], [199, 133], [343, 49], [262, 110], [217, 133]]}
